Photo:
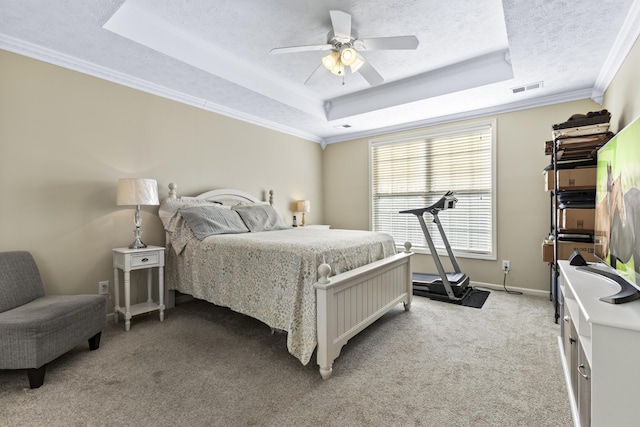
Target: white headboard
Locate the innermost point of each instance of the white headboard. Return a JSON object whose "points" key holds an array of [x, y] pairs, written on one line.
{"points": [[225, 196]]}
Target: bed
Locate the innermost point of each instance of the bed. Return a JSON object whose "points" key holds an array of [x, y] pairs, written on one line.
{"points": [[321, 286]]}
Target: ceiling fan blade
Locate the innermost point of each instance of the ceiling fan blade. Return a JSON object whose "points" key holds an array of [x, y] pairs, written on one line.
{"points": [[388, 43], [370, 74], [294, 49], [341, 22], [319, 71]]}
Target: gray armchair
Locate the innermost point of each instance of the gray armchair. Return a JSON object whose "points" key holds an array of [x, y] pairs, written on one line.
{"points": [[34, 328]]}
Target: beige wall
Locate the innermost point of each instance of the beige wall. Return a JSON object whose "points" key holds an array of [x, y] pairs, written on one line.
{"points": [[66, 139], [622, 97], [522, 203]]}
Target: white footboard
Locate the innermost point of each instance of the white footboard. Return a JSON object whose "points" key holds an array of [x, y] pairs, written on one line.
{"points": [[349, 302]]}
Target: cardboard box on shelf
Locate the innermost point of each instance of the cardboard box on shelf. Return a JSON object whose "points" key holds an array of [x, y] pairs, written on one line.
{"points": [[568, 179], [577, 219], [566, 248]]}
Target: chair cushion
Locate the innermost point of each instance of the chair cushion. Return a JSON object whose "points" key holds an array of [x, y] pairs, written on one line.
{"points": [[19, 280], [39, 331]]}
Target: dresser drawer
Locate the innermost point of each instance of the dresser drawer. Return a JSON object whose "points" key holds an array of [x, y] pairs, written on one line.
{"points": [[144, 260]]}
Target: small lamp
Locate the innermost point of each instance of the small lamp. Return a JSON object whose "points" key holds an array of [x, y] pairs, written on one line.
{"points": [[357, 63], [303, 206], [136, 192], [333, 63], [348, 56]]}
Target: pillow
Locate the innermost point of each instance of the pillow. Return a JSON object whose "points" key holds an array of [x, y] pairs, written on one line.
{"points": [[209, 220], [260, 217], [169, 208]]}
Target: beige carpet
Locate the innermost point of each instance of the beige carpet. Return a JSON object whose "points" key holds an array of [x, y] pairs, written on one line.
{"points": [[437, 365]]}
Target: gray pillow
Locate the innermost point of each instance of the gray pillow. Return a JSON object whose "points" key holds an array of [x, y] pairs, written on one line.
{"points": [[209, 220], [260, 217]]}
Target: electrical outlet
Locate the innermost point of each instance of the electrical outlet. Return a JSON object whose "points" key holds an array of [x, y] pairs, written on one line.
{"points": [[506, 265], [103, 287]]}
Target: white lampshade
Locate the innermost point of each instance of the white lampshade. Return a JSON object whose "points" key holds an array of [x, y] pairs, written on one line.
{"points": [[348, 56], [357, 63], [331, 60], [137, 191], [303, 206]]}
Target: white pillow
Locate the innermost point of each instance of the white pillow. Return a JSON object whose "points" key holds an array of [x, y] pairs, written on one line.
{"points": [[260, 217], [207, 221], [169, 209]]}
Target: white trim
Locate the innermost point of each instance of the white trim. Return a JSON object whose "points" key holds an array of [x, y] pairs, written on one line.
{"points": [[133, 22], [627, 36], [444, 132], [34, 51], [468, 115], [469, 74], [621, 47], [30, 50]]}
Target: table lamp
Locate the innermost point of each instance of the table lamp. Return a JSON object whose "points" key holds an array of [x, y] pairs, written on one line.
{"points": [[136, 192], [303, 206]]}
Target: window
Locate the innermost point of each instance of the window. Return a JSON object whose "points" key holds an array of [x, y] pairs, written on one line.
{"points": [[415, 170]]}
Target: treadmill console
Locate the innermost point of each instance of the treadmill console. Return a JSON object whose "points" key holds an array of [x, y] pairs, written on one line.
{"points": [[449, 202]]}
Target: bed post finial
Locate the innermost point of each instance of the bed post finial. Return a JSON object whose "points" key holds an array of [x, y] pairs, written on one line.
{"points": [[407, 247], [271, 197], [324, 270], [172, 190]]}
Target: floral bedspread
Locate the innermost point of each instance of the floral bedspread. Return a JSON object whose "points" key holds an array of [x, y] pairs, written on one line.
{"points": [[269, 275]]}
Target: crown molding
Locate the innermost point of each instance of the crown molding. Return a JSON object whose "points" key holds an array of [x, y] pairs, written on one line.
{"points": [[627, 36], [34, 51], [475, 72], [483, 112], [133, 22]]}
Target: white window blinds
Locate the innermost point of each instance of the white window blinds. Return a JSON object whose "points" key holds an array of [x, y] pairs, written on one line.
{"points": [[416, 171]]}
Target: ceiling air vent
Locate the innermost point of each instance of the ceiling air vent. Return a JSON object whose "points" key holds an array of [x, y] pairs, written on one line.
{"points": [[530, 86], [344, 126]]}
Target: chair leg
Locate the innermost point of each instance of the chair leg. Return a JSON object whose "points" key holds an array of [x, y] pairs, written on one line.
{"points": [[94, 341], [36, 376]]}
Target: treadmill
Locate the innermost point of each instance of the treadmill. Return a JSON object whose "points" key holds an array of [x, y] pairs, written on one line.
{"points": [[449, 286]]}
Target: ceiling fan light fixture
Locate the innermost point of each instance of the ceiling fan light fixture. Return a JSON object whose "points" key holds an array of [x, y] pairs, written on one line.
{"points": [[331, 61], [338, 69], [355, 66], [348, 56]]}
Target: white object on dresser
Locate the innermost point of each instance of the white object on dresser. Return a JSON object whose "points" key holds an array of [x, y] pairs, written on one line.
{"points": [[604, 339], [127, 260]]}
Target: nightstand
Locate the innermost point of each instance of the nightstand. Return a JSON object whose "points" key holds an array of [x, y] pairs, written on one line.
{"points": [[128, 260], [326, 227]]}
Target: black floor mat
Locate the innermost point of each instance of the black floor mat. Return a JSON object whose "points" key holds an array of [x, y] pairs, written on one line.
{"points": [[475, 298]]}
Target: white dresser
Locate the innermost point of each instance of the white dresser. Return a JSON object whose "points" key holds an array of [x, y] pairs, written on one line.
{"points": [[600, 345]]}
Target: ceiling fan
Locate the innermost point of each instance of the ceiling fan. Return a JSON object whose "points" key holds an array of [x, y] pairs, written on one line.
{"points": [[344, 44]]}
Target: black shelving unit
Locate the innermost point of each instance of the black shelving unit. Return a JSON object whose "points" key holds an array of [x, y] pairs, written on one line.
{"points": [[575, 144]]}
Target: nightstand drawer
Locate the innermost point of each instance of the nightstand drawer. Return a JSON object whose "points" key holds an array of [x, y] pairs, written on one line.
{"points": [[148, 259]]}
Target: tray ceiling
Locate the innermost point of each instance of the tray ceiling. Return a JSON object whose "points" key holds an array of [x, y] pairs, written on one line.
{"points": [[473, 58]]}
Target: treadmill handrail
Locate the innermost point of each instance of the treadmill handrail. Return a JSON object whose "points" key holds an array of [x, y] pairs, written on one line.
{"points": [[441, 204]]}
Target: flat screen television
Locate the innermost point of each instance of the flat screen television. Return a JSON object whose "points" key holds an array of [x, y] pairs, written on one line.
{"points": [[617, 229]]}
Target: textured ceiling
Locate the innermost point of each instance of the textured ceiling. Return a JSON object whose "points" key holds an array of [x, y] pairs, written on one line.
{"points": [[215, 55]]}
